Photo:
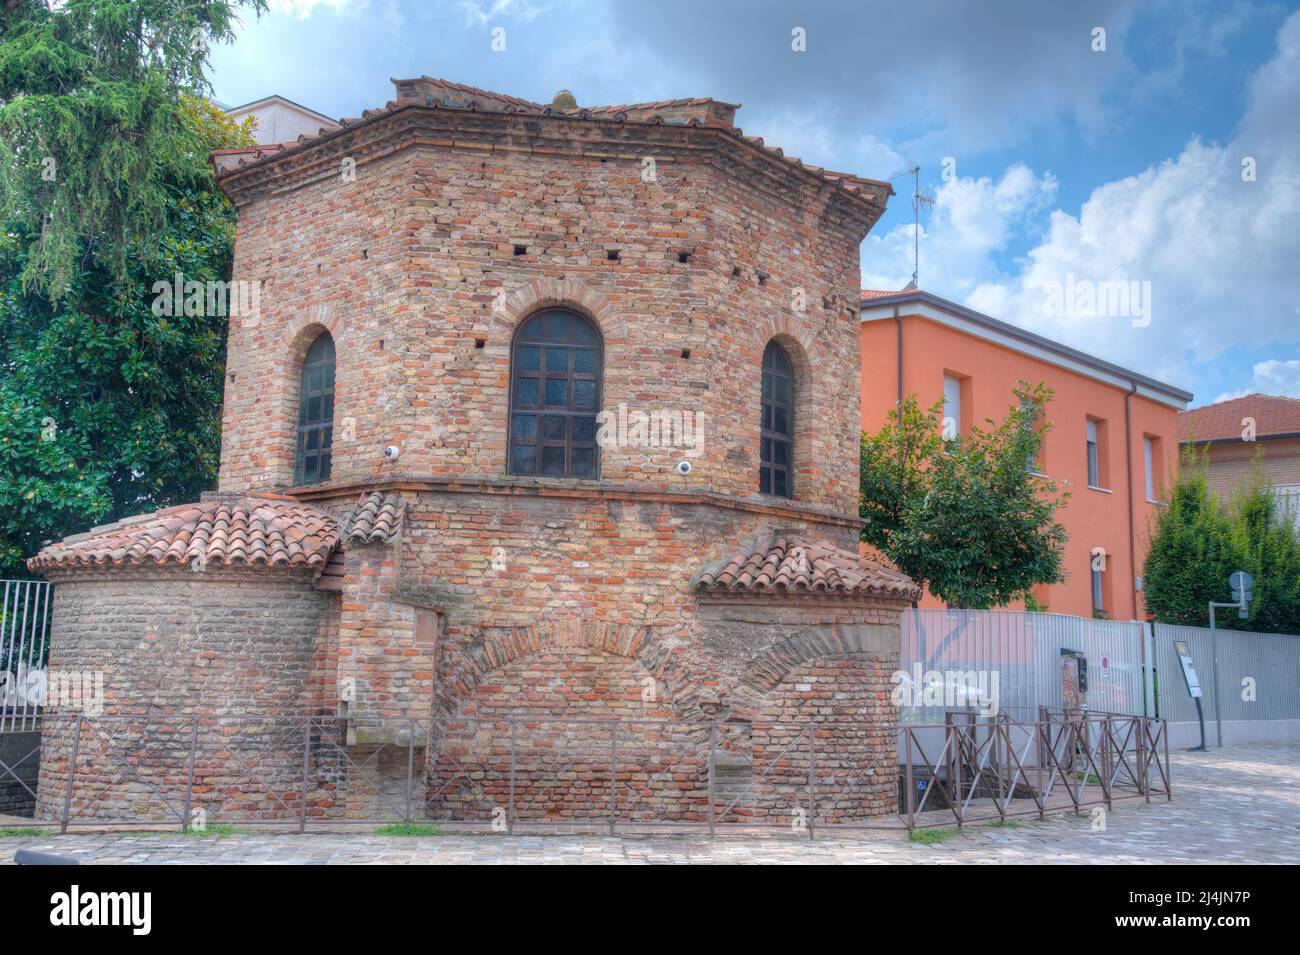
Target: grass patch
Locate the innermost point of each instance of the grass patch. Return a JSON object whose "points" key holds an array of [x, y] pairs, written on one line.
{"points": [[1002, 824], [20, 832], [419, 830], [1090, 781], [930, 837], [218, 830]]}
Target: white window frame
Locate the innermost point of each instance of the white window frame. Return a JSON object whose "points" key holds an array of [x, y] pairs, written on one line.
{"points": [[1093, 455], [952, 402], [1149, 455]]}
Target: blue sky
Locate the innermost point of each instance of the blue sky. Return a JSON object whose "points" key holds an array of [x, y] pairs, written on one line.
{"points": [[1064, 162]]}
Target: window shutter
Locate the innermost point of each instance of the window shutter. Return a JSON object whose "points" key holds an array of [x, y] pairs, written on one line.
{"points": [[952, 403], [1094, 461], [1151, 478]]}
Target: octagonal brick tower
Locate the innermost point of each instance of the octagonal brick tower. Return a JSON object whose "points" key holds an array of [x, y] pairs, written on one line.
{"points": [[397, 357]]}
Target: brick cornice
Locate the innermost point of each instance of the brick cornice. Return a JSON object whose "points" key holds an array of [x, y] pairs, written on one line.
{"points": [[390, 131], [591, 491]]}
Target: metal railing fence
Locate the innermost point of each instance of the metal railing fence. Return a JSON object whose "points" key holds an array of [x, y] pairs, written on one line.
{"points": [[1063, 761], [528, 773], [24, 622]]}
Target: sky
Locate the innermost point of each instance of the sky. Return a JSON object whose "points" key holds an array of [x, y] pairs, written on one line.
{"points": [[1067, 147]]}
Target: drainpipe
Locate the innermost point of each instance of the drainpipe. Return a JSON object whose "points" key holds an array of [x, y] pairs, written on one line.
{"points": [[898, 328], [1128, 472]]}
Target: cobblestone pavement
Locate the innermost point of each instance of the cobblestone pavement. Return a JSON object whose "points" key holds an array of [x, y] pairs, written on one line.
{"points": [[1240, 804]]}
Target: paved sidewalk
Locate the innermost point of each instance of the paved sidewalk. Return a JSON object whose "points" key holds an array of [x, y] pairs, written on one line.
{"points": [[1240, 804]]}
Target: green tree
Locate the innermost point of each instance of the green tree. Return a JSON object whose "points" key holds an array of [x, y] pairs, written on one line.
{"points": [[1192, 552], [106, 408], [1265, 534], [95, 130], [967, 516], [1198, 541]]}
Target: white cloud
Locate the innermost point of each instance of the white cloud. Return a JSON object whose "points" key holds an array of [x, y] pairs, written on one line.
{"points": [[812, 135], [1272, 377], [972, 219], [1220, 253], [304, 8], [483, 14]]}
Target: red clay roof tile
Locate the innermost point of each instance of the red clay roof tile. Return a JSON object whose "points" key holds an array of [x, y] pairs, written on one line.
{"points": [[1272, 414], [220, 530], [789, 564], [419, 91], [376, 517]]}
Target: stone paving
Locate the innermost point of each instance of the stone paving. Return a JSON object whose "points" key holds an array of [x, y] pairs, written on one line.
{"points": [[1240, 804]]}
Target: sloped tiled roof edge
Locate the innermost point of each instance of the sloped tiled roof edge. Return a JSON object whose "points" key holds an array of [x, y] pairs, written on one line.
{"points": [[376, 518], [793, 565], [1271, 416], [232, 163], [222, 530]]}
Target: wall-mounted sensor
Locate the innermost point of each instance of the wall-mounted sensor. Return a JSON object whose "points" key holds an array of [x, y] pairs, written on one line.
{"points": [[392, 452], [684, 467]]}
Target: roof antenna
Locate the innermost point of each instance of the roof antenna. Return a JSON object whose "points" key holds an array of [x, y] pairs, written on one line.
{"points": [[918, 200]]}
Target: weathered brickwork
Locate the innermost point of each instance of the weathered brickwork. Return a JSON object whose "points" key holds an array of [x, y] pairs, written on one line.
{"points": [[406, 265], [173, 643], [497, 618]]}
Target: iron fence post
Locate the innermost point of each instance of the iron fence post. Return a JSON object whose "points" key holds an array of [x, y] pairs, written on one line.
{"points": [[1042, 767], [72, 769], [510, 806], [410, 768], [909, 797], [713, 752], [812, 778], [306, 762], [956, 781], [1144, 778], [189, 775]]}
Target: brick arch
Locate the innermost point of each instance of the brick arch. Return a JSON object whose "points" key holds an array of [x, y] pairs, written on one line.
{"points": [[803, 647], [639, 643], [298, 334], [286, 369], [796, 342], [568, 293], [787, 333]]}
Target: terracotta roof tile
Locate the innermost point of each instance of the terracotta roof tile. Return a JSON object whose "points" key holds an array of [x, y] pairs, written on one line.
{"points": [[429, 91], [377, 517], [789, 564], [220, 530], [869, 293], [1273, 414]]}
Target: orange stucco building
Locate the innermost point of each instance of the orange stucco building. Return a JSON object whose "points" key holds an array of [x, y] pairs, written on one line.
{"points": [[1113, 443]]}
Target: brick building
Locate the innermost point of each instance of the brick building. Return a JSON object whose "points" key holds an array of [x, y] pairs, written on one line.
{"points": [[1254, 437], [448, 487]]}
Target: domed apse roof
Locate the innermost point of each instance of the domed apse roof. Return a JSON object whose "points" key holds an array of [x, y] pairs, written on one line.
{"points": [[793, 565], [228, 530]]}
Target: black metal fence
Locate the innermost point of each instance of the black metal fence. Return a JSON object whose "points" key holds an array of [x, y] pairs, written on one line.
{"points": [[537, 773]]}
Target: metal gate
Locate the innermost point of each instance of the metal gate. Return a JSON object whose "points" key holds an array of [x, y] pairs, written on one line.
{"points": [[24, 628]]}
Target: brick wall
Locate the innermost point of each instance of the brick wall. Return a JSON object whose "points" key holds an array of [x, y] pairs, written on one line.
{"points": [[405, 266], [1233, 466], [172, 644]]}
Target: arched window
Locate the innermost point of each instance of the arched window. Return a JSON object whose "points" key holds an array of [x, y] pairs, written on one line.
{"points": [[776, 453], [316, 414], [555, 396]]}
